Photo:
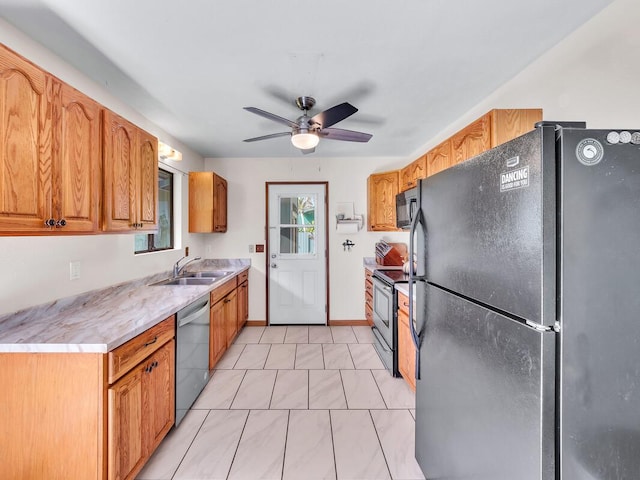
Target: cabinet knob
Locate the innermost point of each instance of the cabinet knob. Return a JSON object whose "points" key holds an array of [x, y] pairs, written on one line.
{"points": [[50, 222], [61, 223]]}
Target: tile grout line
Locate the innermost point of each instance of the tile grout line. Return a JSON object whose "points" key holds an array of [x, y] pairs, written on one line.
{"points": [[375, 428], [379, 390], [333, 444], [235, 453], [286, 439], [237, 390], [190, 444]]}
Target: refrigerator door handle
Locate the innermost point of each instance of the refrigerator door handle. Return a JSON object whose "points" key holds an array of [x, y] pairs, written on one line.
{"points": [[415, 221]]}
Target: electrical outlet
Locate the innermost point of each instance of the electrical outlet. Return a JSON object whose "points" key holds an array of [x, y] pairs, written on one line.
{"points": [[74, 270], [250, 248]]}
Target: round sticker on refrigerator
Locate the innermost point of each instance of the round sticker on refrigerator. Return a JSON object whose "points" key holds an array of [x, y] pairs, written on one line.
{"points": [[589, 151]]}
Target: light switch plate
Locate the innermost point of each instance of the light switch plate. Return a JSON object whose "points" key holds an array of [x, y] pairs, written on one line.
{"points": [[74, 270]]}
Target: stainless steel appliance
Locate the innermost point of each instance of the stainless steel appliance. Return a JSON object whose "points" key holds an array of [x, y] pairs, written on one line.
{"points": [[528, 307], [192, 354], [385, 316], [406, 206]]}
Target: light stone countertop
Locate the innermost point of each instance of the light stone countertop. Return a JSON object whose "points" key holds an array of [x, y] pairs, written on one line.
{"points": [[104, 319]]}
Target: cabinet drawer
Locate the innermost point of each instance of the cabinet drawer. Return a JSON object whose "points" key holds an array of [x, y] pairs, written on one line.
{"points": [[242, 277], [220, 292], [127, 356], [403, 303]]}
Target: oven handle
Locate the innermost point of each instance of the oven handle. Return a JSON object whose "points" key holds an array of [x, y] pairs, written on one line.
{"points": [[417, 220], [381, 340]]}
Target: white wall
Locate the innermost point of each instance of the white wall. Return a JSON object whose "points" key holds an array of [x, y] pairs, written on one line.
{"points": [[592, 75], [35, 270], [246, 221]]}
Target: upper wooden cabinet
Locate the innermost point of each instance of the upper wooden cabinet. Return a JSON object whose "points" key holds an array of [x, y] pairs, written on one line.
{"points": [[50, 152], [492, 129], [207, 203], [130, 176], [410, 174], [439, 158], [382, 189]]}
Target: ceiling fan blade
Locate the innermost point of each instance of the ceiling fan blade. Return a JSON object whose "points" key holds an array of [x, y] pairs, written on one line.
{"points": [[333, 115], [266, 137], [347, 135], [271, 116], [308, 150]]}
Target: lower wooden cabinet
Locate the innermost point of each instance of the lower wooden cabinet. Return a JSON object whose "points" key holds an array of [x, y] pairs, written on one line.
{"points": [[368, 296], [229, 313], [406, 348], [243, 303], [141, 407], [87, 415]]}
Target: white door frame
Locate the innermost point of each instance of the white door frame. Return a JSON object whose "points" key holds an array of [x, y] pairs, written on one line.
{"points": [[326, 233]]}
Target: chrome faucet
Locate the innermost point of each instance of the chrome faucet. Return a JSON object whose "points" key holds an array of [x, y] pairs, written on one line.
{"points": [[177, 268]]}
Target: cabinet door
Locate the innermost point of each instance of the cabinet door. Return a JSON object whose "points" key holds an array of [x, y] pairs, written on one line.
{"points": [[507, 124], [410, 174], [219, 204], [147, 186], [382, 189], [439, 158], [243, 304], [26, 103], [159, 394], [217, 336], [472, 140], [119, 174], [406, 350], [231, 316], [77, 189], [125, 438]]}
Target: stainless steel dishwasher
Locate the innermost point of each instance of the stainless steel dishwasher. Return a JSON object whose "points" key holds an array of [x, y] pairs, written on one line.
{"points": [[192, 354]]}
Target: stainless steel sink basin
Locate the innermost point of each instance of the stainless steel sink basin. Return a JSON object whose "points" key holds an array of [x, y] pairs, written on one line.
{"points": [[208, 274], [185, 281]]}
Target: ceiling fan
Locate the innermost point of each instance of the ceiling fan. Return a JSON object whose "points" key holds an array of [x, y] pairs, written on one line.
{"points": [[306, 131]]}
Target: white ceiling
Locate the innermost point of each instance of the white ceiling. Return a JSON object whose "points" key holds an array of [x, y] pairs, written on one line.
{"points": [[411, 67]]}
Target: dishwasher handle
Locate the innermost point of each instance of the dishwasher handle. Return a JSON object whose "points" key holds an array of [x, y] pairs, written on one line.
{"points": [[193, 316]]}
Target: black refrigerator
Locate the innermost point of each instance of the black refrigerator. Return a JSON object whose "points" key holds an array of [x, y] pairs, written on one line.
{"points": [[528, 310]]}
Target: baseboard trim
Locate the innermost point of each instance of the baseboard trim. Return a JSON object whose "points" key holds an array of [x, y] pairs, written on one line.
{"points": [[256, 323], [354, 323]]}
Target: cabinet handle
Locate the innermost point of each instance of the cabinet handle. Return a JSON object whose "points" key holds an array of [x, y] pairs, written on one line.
{"points": [[50, 222], [61, 223], [155, 339], [405, 304], [227, 300]]}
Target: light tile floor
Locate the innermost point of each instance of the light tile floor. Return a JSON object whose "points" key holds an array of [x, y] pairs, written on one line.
{"points": [[295, 403]]}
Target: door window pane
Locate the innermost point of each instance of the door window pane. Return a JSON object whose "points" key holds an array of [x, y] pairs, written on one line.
{"points": [[297, 225]]}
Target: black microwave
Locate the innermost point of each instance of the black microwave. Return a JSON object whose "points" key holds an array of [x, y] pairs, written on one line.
{"points": [[406, 207]]}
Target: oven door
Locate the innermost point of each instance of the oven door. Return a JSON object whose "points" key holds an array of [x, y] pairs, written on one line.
{"points": [[383, 310]]}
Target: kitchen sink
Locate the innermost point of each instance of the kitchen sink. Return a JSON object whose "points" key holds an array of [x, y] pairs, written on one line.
{"points": [[208, 274], [186, 281]]}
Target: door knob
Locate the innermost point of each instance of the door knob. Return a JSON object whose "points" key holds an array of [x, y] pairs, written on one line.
{"points": [[273, 265]]}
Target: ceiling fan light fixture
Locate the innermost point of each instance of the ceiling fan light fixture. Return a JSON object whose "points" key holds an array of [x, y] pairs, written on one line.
{"points": [[305, 140]]}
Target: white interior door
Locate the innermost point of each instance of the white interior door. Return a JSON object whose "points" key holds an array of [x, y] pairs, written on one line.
{"points": [[297, 254]]}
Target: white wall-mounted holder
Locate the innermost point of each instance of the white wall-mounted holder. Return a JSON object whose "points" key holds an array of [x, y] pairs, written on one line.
{"points": [[346, 220]]}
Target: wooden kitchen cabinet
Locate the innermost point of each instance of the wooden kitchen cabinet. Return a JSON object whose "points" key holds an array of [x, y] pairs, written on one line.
{"points": [[439, 158], [87, 415], [130, 176], [382, 189], [406, 348], [243, 299], [223, 319], [492, 129], [141, 404], [410, 174], [50, 153], [368, 296], [207, 203]]}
